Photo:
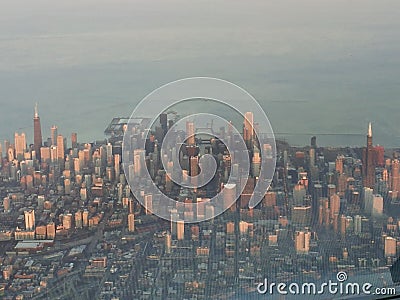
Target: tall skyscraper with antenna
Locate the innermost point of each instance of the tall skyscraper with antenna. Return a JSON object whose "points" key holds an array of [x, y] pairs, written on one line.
{"points": [[37, 132], [368, 166]]}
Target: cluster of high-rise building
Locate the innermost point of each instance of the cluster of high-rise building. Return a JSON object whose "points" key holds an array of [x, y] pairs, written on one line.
{"points": [[327, 209]]}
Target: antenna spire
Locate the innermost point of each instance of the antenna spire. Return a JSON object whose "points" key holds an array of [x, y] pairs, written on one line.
{"points": [[370, 129], [36, 111]]}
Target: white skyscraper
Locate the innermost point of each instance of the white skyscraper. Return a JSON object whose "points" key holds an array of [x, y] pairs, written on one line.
{"points": [[377, 205], [180, 234], [20, 145], [368, 199], [29, 219]]}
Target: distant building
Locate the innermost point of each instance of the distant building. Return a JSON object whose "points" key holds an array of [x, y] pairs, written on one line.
{"points": [[37, 133], [67, 221], [334, 205], [190, 133], [51, 230], [269, 199], [60, 147], [53, 135], [148, 203], [339, 164], [248, 127], [229, 195], [180, 235], [20, 145], [168, 243], [131, 222], [368, 162], [377, 205], [29, 219], [368, 199], [390, 247], [357, 224], [74, 140], [78, 219], [302, 242], [379, 156], [395, 177]]}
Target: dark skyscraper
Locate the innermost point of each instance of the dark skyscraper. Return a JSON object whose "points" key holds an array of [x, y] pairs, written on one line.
{"points": [[37, 132], [369, 161], [314, 142], [164, 121]]}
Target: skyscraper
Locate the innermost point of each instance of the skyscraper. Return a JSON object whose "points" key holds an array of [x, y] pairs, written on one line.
{"points": [[302, 242], [137, 162], [20, 145], [357, 224], [334, 205], [180, 230], [51, 230], [168, 243], [29, 219], [339, 164], [190, 131], [148, 201], [314, 142], [74, 140], [45, 154], [10, 154], [131, 222], [60, 147], [368, 166], [377, 205], [164, 122], [53, 135], [229, 195], [6, 145], [248, 130], [37, 132], [78, 219], [194, 169], [395, 176], [368, 199], [390, 246], [85, 218]]}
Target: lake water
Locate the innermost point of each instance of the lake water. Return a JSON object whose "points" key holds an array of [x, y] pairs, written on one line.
{"points": [[316, 67]]}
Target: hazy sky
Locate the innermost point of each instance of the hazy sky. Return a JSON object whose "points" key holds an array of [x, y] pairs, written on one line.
{"points": [[316, 66]]}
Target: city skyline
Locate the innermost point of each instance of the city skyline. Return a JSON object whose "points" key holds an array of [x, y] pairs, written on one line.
{"points": [[280, 136], [226, 150], [79, 197]]}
